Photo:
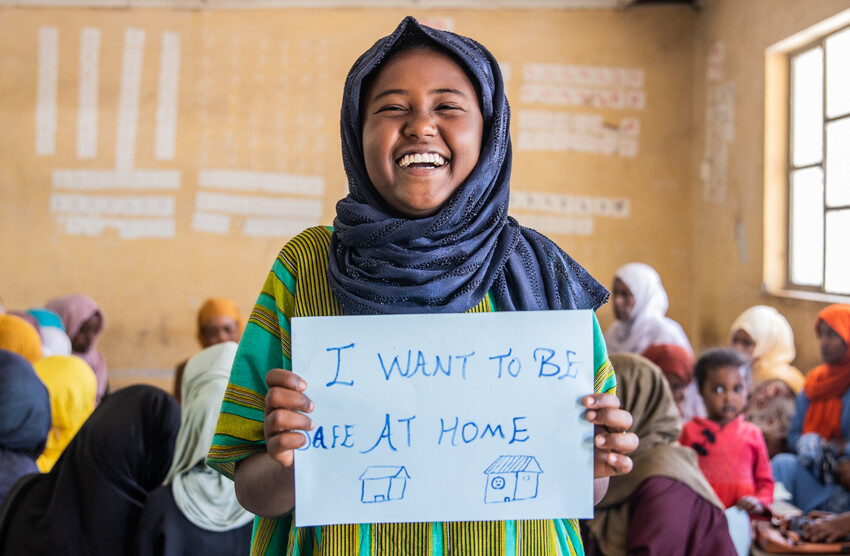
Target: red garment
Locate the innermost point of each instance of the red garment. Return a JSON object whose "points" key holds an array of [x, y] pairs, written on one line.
{"points": [[671, 358], [825, 385], [733, 458]]}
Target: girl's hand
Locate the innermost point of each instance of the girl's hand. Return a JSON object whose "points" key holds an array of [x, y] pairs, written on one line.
{"points": [[285, 408], [611, 441], [751, 505]]}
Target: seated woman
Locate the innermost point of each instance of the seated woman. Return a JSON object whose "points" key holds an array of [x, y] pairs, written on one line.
{"points": [[677, 364], [664, 506], [90, 502], [72, 388], [219, 320], [640, 305], [84, 324], [820, 427], [763, 335], [19, 336], [24, 419], [196, 511]]}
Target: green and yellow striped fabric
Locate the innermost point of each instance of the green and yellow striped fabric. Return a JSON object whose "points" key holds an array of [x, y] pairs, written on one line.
{"points": [[297, 286]]}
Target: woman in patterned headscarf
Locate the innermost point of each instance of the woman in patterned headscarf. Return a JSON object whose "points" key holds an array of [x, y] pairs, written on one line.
{"points": [[424, 229]]}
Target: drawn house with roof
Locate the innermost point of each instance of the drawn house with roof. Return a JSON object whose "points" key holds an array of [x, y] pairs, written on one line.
{"points": [[512, 478], [382, 483]]}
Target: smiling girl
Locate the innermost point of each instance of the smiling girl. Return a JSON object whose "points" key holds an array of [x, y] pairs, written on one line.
{"points": [[424, 229]]}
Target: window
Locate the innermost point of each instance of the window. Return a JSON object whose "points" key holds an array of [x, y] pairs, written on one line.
{"points": [[818, 174]]}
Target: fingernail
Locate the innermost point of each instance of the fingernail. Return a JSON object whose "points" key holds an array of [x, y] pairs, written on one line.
{"points": [[600, 441], [591, 415], [312, 405], [612, 458], [302, 386], [590, 401], [312, 426]]}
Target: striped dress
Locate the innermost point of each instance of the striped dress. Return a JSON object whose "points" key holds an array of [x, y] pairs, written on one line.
{"points": [[297, 286]]}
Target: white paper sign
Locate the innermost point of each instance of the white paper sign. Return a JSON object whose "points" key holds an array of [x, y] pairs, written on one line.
{"points": [[451, 417]]}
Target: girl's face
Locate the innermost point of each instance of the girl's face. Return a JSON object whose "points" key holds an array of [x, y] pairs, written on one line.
{"points": [[217, 330], [832, 346], [743, 343], [82, 341], [624, 301], [422, 131], [724, 393]]}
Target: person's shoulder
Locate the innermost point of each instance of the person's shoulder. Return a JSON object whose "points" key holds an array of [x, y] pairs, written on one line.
{"points": [[316, 236]]}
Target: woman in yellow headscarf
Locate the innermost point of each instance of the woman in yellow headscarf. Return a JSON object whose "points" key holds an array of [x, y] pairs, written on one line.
{"points": [[19, 336], [763, 335], [73, 388]]}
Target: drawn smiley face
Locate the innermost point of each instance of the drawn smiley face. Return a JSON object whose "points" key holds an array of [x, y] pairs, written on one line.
{"points": [[498, 483]]}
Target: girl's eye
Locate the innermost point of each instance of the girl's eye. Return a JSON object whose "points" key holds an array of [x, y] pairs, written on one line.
{"points": [[390, 108], [448, 107], [718, 390], [739, 389]]}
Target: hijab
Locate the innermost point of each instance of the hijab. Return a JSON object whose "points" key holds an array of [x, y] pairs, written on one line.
{"points": [[673, 359], [218, 307], [380, 262], [54, 340], [75, 310], [91, 500], [827, 383], [644, 393], [205, 497], [24, 419], [72, 388], [17, 335], [774, 349], [647, 324]]}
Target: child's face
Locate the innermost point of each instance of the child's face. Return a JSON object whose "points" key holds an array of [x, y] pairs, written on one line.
{"points": [[724, 393], [219, 329], [82, 341], [743, 343], [421, 104], [832, 346]]}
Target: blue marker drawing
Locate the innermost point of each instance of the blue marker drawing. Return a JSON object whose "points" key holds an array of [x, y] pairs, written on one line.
{"points": [[382, 483], [511, 478]]}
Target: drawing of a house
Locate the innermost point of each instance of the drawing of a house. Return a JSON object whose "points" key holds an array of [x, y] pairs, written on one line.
{"points": [[512, 478], [381, 483]]}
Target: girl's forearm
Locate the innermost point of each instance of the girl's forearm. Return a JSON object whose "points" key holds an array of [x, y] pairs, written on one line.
{"points": [[264, 487]]}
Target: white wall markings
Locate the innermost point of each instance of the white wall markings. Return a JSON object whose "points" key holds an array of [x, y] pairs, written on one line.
{"points": [[260, 215], [719, 132], [166, 106], [600, 88], [48, 79], [88, 93], [552, 213], [132, 216], [128, 98]]}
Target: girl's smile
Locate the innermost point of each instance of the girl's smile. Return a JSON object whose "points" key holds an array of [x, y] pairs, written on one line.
{"points": [[422, 130]]}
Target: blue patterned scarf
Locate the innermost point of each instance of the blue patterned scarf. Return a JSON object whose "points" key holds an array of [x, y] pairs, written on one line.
{"points": [[445, 263]]}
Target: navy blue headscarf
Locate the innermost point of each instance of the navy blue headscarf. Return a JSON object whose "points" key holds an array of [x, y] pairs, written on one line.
{"points": [[381, 262]]}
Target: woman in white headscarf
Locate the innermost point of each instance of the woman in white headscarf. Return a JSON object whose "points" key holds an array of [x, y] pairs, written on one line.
{"points": [[764, 336], [196, 511], [640, 305]]}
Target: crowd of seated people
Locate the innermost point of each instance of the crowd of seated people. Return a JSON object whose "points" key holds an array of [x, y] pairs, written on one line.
{"points": [[124, 472]]}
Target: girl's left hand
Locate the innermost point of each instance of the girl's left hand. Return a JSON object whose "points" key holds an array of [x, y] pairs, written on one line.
{"points": [[611, 441]]}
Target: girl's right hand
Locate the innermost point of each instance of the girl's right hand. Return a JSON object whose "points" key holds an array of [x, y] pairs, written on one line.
{"points": [[286, 405]]}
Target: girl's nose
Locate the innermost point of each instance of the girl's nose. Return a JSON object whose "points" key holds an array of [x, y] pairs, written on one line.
{"points": [[420, 124]]}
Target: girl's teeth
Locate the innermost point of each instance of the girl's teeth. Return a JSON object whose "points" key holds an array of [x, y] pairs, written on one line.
{"points": [[419, 158]]}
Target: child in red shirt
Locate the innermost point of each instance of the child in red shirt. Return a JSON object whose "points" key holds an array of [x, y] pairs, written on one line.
{"points": [[732, 452]]}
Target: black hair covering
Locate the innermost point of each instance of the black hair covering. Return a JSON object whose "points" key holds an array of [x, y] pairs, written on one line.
{"points": [[381, 262], [91, 500]]}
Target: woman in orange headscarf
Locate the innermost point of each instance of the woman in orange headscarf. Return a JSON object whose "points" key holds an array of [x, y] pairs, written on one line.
{"points": [[219, 320], [818, 474], [19, 336]]}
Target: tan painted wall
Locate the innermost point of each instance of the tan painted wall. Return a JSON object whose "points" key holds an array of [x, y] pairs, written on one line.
{"points": [[260, 91], [728, 268]]}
